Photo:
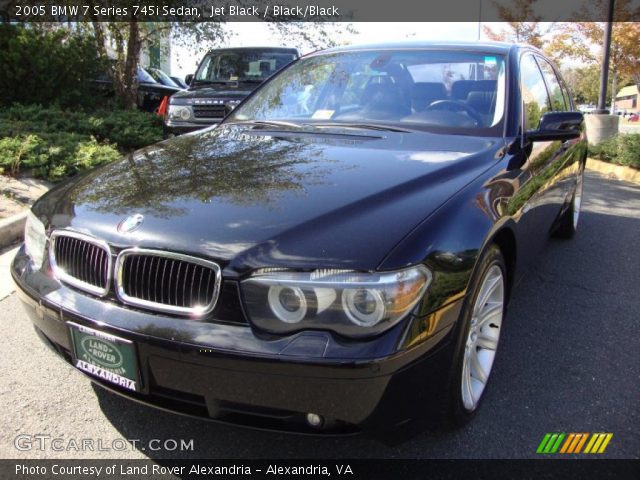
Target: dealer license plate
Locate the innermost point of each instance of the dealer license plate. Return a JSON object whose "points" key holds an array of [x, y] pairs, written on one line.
{"points": [[105, 356]]}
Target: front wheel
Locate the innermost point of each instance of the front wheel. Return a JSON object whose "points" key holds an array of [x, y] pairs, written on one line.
{"points": [[479, 336]]}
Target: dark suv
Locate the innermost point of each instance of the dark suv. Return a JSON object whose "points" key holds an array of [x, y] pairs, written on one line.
{"points": [[223, 79]]}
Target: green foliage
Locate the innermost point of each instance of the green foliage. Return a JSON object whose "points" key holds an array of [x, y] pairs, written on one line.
{"points": [[47, 67], [629, 150], [623, 149], [129, 129], [606, 150], [17, 151], [53, 156], [584, 84], [53, 143]]}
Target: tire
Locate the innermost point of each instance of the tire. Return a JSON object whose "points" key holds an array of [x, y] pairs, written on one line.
{"points": [[568, 222], [478, 337]]}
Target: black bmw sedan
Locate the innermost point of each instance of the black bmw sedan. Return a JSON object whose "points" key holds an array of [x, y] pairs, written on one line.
{"points": [[336, 257]]}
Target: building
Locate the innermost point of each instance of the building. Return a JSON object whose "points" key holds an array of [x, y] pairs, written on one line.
{"points": [[627, 99], [157, 52]]}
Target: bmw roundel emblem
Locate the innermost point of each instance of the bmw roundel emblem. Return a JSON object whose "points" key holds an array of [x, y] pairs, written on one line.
{"points": [[130, 223]]}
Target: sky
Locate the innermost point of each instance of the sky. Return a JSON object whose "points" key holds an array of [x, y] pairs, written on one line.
{"points": [[185, 60]]}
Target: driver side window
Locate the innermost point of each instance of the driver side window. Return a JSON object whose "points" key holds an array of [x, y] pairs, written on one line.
{"points": [[534, 92]]}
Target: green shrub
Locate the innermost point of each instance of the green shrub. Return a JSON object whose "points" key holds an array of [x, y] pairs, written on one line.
{"points": [[623, 149], [53, 143], [129, 129], [48, 66], [91, 154], [629, 150], [16, 151], [53, 156], [606, 150]]}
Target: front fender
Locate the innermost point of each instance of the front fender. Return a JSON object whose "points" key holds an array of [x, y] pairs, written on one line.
{"points": [[451, 241]]}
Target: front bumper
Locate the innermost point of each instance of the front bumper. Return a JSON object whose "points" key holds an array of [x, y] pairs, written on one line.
{"points": [[229, 373]]}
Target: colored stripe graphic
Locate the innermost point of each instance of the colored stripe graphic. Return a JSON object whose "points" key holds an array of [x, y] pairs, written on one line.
{"points": [[581, 443], [570, 439], [605, 443], [543, 443], [568, 443], [598, 443]]}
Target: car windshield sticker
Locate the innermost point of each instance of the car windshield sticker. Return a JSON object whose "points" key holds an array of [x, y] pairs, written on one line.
{"points": [[490, 60], [323, 114]]}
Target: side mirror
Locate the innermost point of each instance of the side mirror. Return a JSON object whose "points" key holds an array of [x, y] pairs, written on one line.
{"points": [[188, 79], [558, 126]]}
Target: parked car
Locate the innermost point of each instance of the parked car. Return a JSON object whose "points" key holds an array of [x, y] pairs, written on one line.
{"points": [[179, 81], [584, 108], [335, 257], [223, 79], [150, 92], [161, 77]]}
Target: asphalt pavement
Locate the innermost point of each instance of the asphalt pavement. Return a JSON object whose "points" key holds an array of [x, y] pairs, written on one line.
{"points": [[568, 362]]}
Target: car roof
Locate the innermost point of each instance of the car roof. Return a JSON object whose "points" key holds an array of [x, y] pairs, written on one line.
{"points": [[484, 46]]}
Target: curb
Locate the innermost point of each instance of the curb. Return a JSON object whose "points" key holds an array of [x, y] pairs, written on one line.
{"points": [[618, 172], [12, 229]]}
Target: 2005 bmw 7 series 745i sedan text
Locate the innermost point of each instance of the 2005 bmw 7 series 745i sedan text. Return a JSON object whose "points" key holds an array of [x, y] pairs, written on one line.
{"points": [[335, 257]]}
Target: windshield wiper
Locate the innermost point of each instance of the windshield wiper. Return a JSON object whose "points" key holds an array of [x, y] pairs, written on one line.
{"points": [[364, 126]]}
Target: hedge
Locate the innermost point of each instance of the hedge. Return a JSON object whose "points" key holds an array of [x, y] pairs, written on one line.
{"points": [[623, 149], [53, 143], [42, 66]]}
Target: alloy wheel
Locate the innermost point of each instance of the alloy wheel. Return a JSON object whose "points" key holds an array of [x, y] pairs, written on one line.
{"points": [[577, 201], [483, 337]]}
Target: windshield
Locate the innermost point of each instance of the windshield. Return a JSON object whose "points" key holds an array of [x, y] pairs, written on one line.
{"points": [[163, 78], [144, 77], [242, 66], [458, 91]]}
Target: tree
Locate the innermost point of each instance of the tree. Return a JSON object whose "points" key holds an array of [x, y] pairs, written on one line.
{"points": [[584, 83], [583, 41], [45, 67], [123, 42], [521, 32]]}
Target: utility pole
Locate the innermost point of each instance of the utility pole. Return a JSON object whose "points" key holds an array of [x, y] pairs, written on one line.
{"points": [[479, 19], [606, 50]]}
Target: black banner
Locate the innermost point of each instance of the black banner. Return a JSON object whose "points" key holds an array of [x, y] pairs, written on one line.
{"points": [[314, 10], [317, 469]]}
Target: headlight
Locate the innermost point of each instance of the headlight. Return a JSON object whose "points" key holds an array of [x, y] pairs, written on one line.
{"points": [[179, 112], [35, 240], [346, 302]]}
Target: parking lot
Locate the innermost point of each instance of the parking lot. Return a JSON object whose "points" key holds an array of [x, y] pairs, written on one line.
{"points": [[568, 363]]}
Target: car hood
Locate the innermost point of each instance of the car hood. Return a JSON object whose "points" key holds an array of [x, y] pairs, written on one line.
{"points": [[158, 87], [233, 91], [251, 198]]}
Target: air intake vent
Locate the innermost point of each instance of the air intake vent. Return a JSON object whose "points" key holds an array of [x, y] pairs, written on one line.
{"points": [[167, 282], [209, 111], [81, 261]]}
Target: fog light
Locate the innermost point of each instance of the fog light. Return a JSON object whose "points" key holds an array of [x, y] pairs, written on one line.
{"points": [[314, 420]]}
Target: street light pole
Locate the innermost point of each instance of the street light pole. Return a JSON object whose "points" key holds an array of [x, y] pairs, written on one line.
{"points": [[604, 74], [479, 20]]}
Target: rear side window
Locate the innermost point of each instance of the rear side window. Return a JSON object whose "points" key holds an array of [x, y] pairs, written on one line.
{"points": [[565, 94], [555, 91], [534, 92]]}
